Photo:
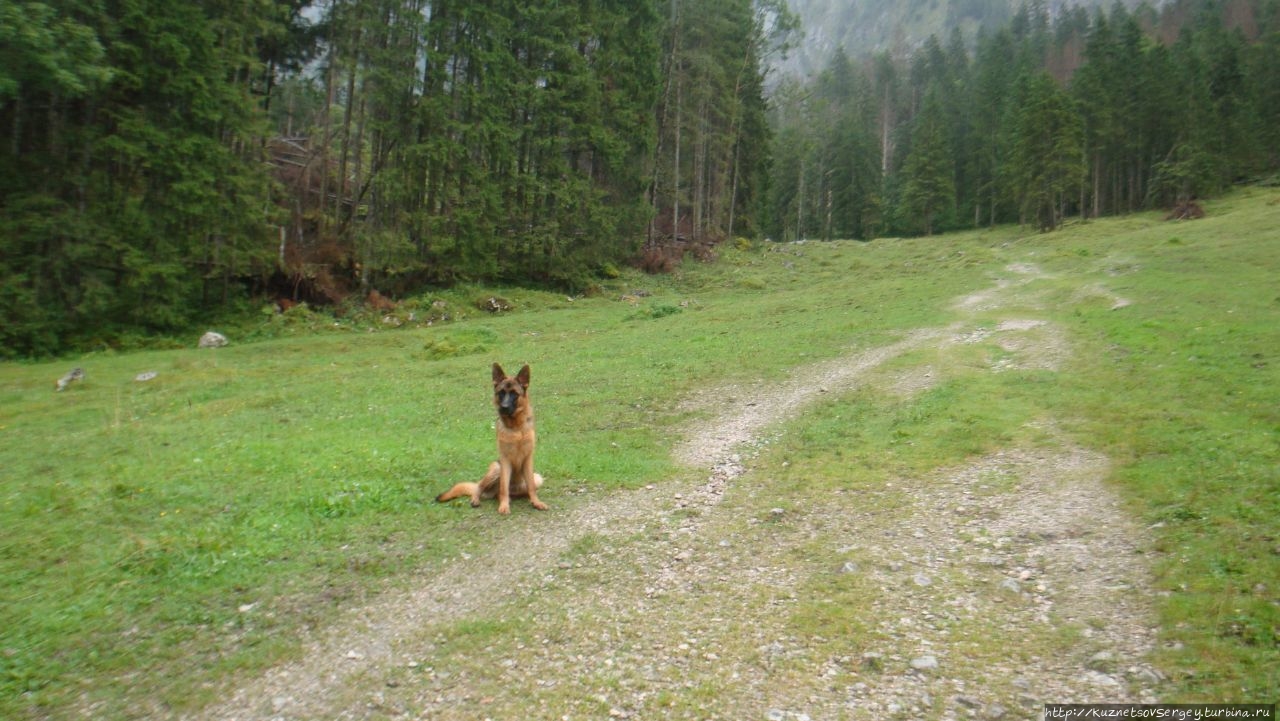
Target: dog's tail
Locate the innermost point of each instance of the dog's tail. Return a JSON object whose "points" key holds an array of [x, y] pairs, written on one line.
{"points": [[458, 491]]}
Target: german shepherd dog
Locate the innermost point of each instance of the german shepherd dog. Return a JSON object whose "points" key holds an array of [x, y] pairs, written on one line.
{"points": [[511, 476]]}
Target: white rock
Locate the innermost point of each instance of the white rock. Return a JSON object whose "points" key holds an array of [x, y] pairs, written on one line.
{"points": [[212, 339], [924, 663]]}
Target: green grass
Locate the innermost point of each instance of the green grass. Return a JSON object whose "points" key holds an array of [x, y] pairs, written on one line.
{"points": [[215, 514], [1183, 389]]}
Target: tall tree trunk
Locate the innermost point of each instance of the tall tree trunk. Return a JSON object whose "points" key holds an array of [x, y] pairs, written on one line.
{"points": [[733, 187], [699, 173], [675, 167], [800, 203], [15, 131], [886, 142], [343, 185], [1097, 185], [326, 134]]}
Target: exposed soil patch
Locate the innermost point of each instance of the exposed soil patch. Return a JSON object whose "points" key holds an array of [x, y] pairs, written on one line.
{"points": [[999, 586]]}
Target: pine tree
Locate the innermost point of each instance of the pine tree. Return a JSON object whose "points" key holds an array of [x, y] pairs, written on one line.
{"points": [[994, 71], [1262, 64], [928, 194], [711, 158], [1047, 163]]}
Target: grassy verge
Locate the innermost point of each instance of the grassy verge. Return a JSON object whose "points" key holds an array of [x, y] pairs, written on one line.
{"points": [[1182, 388], [216, 513]]}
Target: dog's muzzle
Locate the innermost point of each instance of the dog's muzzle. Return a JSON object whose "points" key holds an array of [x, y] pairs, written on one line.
{"points": [[507, 403]]}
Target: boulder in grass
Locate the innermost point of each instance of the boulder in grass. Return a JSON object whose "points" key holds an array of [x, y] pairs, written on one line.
{"points": [[73, 375], [494, 304], [212, 340]]}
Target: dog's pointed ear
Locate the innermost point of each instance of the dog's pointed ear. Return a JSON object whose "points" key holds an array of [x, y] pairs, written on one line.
{"points": [[523, 376], [498, 374]]}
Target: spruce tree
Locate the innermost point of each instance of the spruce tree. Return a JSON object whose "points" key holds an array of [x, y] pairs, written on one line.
{"points": [[1047, 163], [928, 193]]}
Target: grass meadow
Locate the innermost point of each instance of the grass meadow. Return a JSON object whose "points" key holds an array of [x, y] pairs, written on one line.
{"points": [[159, 537]]}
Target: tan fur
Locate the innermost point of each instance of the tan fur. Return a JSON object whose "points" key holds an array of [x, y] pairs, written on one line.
{"points": [[512, 475]]}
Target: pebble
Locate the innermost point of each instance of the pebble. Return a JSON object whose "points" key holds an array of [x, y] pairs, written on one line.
{"points": [[1099, 679], [924, 663], [1100, 661], [1147, 676]]}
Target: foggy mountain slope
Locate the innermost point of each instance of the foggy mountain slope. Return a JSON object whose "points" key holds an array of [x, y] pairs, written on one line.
{"points": [[863, 27]]}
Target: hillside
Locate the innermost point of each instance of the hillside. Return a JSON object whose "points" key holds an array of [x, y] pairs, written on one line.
{"points": [[863, 27], [905, 478], [1044, 120]]}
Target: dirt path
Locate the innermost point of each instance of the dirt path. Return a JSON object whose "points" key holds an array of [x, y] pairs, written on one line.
{"points": [[639, 603]]}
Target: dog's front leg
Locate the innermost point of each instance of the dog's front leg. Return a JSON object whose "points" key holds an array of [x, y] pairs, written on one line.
{"points": [[504, 487]]}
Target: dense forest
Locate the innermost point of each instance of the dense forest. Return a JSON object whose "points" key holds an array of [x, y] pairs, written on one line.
{"points": [[164, 160], [161, 162], [1083, 113]]}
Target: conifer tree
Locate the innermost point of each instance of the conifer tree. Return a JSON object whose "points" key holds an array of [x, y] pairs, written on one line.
{"points": [[1047, 163], [928, 194]]}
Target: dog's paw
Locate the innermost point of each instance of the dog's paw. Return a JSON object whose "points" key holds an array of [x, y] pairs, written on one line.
{"points": [[504, 509], [539, 505]]}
